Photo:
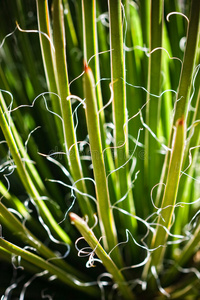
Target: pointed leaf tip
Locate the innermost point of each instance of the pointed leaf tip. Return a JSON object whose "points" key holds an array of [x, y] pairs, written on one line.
{"points": [[72, 216], [181, 121], [86, 67]]}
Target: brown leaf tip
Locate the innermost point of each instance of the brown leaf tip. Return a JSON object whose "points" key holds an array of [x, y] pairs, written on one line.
{"points": [[180, 121], [86, 67], [72, 216]]}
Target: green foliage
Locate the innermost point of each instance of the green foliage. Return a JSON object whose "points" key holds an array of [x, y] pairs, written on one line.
{"points": [[99, 152]]}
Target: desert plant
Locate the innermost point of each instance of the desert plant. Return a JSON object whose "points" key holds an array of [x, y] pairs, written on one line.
{"points": [[100, 137]]}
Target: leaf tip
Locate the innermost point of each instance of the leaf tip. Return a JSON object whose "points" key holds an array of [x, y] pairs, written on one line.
{"points": [[180, 121], [86, 67], [72, 216]]}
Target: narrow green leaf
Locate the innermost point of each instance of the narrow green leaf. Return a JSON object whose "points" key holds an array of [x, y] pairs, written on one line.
{"points": [[11, 222], [109, 264], [25, 177], [48, 58], [90, 40], [64, 92], [188, 62], [169, 199], [65, 277], [152, 157], [103, 200], [185, 80], [119, 112]]}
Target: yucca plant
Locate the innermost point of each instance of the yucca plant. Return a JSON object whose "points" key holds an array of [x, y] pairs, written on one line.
{"points": [[100, 138]]}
